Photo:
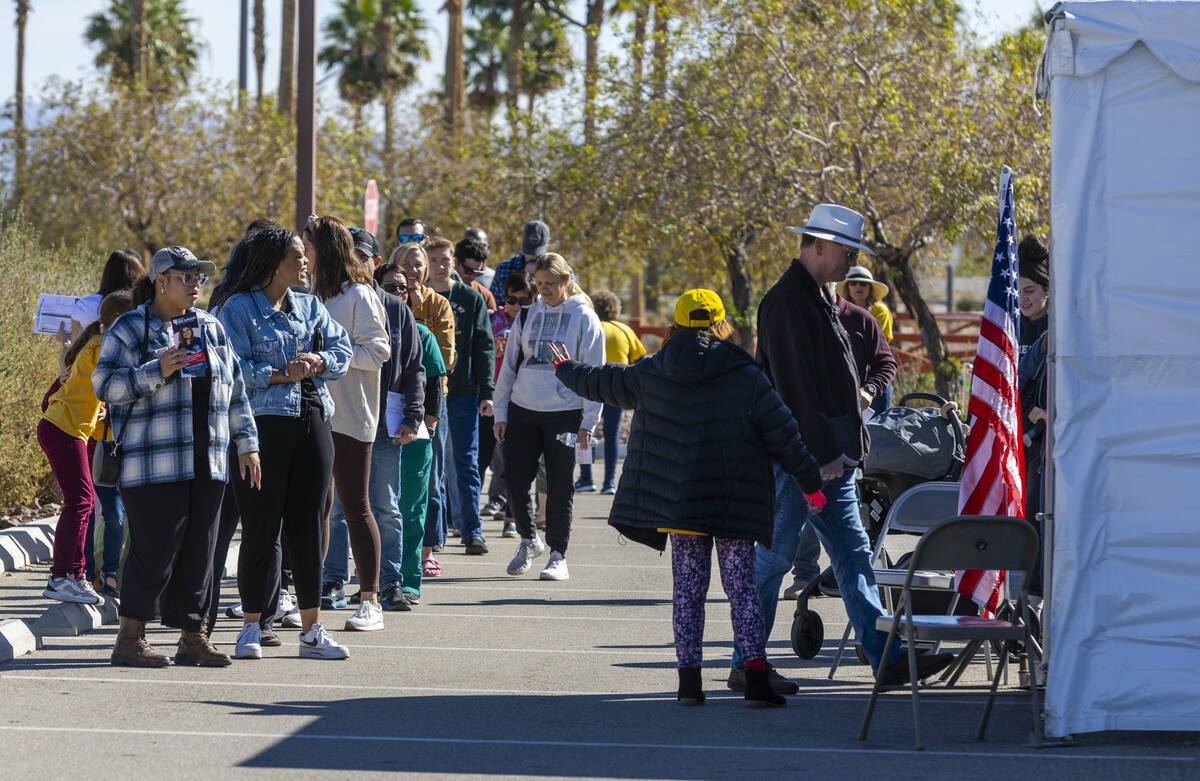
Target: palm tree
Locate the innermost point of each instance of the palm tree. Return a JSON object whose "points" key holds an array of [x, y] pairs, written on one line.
{"points": [[485, 56], [19, 98], [260, 48], [591, 66], [287, 59], [166, 36], [454, 71], [366, 65], [517, 22], [547, 57]]}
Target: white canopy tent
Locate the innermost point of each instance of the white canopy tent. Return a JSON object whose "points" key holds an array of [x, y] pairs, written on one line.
{"points": [[1123, 616]]}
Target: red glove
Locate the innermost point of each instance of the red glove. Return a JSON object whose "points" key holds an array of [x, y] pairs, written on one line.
{"points": [[817, 500]]}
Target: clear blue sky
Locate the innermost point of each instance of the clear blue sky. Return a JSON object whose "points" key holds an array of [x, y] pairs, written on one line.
{"points": [[54, 37]]}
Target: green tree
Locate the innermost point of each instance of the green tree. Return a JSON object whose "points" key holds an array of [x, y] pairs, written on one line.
{"points": [[167, 37], [485, 57]]}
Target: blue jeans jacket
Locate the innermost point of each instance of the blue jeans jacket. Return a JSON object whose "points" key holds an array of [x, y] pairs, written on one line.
{"points": [[265, 339]]}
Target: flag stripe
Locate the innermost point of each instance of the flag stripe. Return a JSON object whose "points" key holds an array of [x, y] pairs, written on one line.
{"points": [[993, 475]]}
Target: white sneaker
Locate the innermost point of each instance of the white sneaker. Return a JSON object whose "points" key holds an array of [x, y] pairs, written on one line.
{"points": [[249, 642], [70, 590], [367, 618], [317, 644], [556, 568], [286, 606], [234, 610], [527, 551]]}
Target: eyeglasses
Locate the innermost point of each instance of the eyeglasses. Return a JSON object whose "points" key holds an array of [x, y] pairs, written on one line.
{"points": [[191, 279], [513, 301], [395, 288], [406, 238]]}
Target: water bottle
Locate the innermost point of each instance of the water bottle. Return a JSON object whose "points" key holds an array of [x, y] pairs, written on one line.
{"points": [[568, 438]]}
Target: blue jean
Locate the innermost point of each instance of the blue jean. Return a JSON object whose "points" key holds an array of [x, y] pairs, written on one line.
{"points": [[883, 401], [112, 515], [384, 496], [808, 554], [435, 514], [611, 417], [463, 484], [839, 528]]}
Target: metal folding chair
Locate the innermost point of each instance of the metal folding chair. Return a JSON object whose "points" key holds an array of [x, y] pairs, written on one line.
{"points": [[965, 543], [914, 512]]}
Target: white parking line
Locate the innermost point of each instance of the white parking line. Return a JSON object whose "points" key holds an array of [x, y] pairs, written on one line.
{"points": [[587, 744], [573, 652]]}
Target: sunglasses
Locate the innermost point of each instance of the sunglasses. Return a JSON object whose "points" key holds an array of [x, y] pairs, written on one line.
{"points": [[406, 238], [859, 284], [395, 288], [513, 300], [475, 272], [191, 279]]}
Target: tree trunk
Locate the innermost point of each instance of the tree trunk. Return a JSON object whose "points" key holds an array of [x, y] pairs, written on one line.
{"points": [[453, 115], [740, 287], [19, 108], [662, 22], [137, 40], [640, 17], [287, 60], [388, 157], [516, 49], [945, 375], [591, 69], [260, 49]]}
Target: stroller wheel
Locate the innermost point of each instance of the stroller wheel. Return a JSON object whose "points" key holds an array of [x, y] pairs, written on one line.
{"points": [[861, 654], [808, 634]]}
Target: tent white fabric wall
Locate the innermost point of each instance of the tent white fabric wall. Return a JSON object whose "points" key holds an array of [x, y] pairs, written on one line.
{"points": [[1124, 612]]}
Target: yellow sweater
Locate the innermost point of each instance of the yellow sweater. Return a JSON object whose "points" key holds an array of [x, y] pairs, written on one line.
{"points": [[74, 407]]}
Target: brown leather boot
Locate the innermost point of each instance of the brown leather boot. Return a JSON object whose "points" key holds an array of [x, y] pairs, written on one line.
{"points": [[131, 648], [196, 649]]}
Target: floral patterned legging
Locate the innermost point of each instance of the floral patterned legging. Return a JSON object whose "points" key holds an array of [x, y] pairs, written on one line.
{"points": [[691, 563]]}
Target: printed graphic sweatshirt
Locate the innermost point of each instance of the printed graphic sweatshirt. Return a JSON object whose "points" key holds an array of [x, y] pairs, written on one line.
{"points": [[527, 376]]}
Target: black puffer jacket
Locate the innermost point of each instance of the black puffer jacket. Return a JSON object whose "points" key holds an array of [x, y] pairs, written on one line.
{"points": [[707, 426]]}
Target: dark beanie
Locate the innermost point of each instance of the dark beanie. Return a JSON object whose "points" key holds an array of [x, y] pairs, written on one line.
{"points": [[1034, 260]]}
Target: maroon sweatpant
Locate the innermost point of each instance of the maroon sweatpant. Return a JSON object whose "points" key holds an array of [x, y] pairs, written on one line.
{"points": [[68, 457]]}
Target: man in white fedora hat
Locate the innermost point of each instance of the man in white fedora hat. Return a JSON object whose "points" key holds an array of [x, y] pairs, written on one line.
{"points": [[806, 352]]}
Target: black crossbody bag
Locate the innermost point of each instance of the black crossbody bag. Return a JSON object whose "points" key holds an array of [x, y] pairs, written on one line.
{"points": [[106, 462]]}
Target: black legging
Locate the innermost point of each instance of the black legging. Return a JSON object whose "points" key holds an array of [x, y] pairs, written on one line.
{"points": [[530, 434], [172, 532], [297, 461]]}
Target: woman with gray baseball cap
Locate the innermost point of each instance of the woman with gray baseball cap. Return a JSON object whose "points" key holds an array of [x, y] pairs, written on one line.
{"points": [[173, 430]]}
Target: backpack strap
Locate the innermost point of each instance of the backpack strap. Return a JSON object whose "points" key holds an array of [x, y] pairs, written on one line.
{"points": [[522, 317]]}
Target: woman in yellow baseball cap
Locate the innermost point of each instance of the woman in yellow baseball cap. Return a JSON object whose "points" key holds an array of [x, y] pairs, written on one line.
{"points": [[707, 426]]}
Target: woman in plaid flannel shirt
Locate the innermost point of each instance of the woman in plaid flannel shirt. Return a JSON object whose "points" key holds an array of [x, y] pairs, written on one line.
{"points": [[174, 433]]}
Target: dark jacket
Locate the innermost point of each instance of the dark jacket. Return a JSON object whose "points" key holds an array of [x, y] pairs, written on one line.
{"points": [[706, 428], [473, 373], [805, 352], [873, 359], [404, 371]]}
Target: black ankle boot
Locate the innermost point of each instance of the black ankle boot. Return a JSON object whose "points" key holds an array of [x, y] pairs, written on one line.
{"points": [[691, 691], [759, 693]]}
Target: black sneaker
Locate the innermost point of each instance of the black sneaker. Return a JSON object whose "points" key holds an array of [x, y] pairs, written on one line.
{"points": [[393, 598], [476, 546], [584, 485], [355, 598], [333, 596], [779, 684], [494, 509], [928, 664]]}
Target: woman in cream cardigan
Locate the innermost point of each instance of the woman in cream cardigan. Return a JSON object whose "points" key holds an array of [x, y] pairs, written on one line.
{"points": [[346, 289]]}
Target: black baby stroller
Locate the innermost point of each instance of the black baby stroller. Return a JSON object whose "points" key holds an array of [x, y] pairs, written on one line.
{"points": [[909, 446]]}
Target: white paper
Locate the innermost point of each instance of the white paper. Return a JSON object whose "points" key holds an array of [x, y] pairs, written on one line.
{"points": [[53, 311], [583, 454], [394, 416], [867, 414]]}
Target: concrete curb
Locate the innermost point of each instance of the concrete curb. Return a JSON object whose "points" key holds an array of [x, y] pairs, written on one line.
{"points": [[68, 619], [29, 543], [16, 639]]}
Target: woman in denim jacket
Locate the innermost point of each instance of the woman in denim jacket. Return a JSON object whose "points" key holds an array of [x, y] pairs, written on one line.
{"points": [[174, 432], [289, 347]]}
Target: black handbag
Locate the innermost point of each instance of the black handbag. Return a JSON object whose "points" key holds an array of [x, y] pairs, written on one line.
{"points": [[106, 461]]}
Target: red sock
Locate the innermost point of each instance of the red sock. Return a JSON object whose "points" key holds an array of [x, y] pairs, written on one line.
{"points": [[756, 664]]}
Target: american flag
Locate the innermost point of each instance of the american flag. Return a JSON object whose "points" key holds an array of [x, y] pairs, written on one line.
{"points": [[993, 476]]}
